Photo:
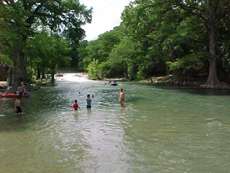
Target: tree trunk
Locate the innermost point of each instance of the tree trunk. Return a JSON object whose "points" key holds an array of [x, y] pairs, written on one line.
{"points": [[213, 80], [52, 75], [38, 73], [133, 72], [52, 78], [43, 73], [10, 77], [19, 72]]}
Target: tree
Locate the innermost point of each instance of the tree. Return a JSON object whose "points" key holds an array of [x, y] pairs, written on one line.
{"points": [[125, 57], [47, 52], [158, 24], [214, 14], [100, 49], [22, 18], [149, 24]]}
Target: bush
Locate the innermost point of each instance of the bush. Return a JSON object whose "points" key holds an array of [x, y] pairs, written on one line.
{"points": [[190, 65], [93, 69]]}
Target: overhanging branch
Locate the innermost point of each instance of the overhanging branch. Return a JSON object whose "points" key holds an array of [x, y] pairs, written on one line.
{"points": [[193, 10]]}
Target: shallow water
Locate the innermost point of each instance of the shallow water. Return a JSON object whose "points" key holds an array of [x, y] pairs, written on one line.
{"points": [[160, 130]]}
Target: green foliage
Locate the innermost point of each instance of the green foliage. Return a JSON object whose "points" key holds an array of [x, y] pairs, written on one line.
{"points": [[93, 70], [124, 57], [160, 37], [155, 38], [21, 20], [190, 65], [4, 59], [101, 48], [47, 52]]}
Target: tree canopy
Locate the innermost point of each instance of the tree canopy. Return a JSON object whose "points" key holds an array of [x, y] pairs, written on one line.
{"points": [[22, 19]]}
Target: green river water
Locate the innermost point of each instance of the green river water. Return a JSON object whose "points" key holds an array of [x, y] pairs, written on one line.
{"points": [[159, 131]]}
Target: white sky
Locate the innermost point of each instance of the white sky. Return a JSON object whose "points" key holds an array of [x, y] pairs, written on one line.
{"points": [[106, 15]]}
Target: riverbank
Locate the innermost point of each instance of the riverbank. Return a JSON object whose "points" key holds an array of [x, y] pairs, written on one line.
{"points": [[172, 81]]}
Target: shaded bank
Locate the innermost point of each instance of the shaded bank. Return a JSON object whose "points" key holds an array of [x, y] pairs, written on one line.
{"points": [[173, 82]]}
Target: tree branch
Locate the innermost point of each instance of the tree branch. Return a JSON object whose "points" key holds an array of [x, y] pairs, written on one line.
{"points": [[30, 19], [193, 10]]}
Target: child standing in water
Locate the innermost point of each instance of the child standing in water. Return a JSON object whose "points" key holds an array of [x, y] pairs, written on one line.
{"points": [[22, 89], [75, 105], [17, 105], [88, 102], [122, 97]]}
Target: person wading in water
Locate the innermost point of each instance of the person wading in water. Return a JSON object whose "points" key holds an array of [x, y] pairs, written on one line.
{"points": [[122, 97]]}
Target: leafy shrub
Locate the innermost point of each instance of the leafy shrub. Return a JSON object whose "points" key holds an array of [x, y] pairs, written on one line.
{"points": [[93, 69], [191, 64]]}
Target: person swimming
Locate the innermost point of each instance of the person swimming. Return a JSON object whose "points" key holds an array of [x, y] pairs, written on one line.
{"points": [[75, 105], [88, 102]]}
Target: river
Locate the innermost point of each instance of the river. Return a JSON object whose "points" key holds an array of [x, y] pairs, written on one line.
{"points": [[159, 130]]}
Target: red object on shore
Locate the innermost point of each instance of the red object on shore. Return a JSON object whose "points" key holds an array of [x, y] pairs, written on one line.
{"points": [[10, 95]]}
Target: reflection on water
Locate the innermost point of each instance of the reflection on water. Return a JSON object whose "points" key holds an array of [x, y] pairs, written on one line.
{"points": [[158, 131]]}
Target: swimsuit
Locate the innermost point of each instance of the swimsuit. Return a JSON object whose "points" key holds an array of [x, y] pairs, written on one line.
{"points": [[75, 106], [18, 109], [88, 101]]}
